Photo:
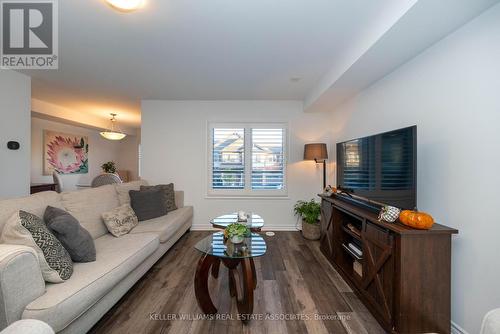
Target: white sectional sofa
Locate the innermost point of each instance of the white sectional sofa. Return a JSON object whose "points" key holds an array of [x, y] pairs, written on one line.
{"points": [[77, 304]]}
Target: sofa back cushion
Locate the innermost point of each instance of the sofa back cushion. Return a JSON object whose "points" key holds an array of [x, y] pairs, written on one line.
{"points": [[35, 204], [88, 205], [122, 190], [179, 199]]}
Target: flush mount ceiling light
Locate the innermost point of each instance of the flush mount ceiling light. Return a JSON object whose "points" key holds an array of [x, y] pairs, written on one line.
{"points": [[125, 5], [114, 132]]}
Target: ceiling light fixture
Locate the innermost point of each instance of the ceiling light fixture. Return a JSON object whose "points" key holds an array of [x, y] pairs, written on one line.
{"points": [[114, 132], [126, 5]]}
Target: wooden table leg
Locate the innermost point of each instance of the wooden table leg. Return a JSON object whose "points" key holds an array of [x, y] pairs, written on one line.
{"points": [[215, 268], [201, 284], [242, 288], [245, 305], [254, 273]]}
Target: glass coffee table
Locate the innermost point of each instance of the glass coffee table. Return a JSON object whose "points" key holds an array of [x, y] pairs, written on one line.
{"points": [[254, 221], [238, 258]]}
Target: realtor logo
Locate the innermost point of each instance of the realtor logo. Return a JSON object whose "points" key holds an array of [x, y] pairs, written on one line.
{"points": [[29, 34]]}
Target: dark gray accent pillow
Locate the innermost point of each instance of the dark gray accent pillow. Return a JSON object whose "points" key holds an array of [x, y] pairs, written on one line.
{"points": [[169, 193], [71, 234], [148, 204]]}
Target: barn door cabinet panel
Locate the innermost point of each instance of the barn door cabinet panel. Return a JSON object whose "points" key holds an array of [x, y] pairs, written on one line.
{"points": [[403, 275]]}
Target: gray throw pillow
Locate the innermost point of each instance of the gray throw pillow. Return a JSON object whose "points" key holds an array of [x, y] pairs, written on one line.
{"points": [[71, 234], [148, 204], [169, 193]]}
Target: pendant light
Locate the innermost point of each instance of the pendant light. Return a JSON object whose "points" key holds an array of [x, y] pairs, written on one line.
{"points": [[114, 132], [126, 5]]}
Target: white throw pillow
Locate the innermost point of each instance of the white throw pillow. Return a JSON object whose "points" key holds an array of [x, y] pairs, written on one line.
{"points": [[120, 220], [24, 228]]}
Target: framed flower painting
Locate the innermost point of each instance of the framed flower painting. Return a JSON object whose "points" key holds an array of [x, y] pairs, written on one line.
{"points": [[65, 153]]}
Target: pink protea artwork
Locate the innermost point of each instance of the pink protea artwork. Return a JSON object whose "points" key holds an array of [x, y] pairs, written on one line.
{"points": [[66, 154]]}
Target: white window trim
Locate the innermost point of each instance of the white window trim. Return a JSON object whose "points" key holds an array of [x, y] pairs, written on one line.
{"points": [[247, 192]]}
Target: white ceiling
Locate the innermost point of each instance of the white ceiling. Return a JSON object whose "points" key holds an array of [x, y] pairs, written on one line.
{"points": [[234, 49], [197, 49]]}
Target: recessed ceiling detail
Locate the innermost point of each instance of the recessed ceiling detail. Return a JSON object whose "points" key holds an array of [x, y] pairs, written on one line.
{"points": [[227, 50]]}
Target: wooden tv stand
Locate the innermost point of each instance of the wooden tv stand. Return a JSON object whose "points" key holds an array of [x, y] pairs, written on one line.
{"points": [[405, 273]]}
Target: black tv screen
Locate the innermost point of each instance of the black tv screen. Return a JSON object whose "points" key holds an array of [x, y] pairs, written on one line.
{"points": [[380, 168]]}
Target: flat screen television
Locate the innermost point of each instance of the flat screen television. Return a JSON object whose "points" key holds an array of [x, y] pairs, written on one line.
{"points": [[380, 169]]}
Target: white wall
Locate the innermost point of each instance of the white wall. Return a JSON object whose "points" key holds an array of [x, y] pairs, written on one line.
{"points": [[100, 150], [15, 97], [452, 93], [128, 155], [174, 149]]}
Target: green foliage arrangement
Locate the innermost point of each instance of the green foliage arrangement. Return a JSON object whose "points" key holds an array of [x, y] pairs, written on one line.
{"points": [[309, 211], [237, 229], [109, 167]]}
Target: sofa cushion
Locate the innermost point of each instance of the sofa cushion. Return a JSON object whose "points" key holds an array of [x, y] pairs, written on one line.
{"points": [[71, 234], [88, 205], [165, 226], [148, 204], [120, 220], [24, 228], [116, 258], [35, 204], [122, 190]]}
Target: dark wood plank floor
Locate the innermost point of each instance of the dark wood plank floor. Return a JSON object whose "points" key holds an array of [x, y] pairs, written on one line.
{"points": [[298, 291]]}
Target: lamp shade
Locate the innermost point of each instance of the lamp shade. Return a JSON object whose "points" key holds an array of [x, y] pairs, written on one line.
{"points": [[315, 151]]}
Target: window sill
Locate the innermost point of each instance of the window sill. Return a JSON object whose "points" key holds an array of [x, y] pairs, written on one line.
{"points": [[250, 197]]}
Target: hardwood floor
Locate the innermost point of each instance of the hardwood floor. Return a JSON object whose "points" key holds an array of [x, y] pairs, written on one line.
{"points": [[295, 282]]}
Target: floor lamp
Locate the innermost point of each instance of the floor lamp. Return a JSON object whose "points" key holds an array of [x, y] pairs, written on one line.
{"points": [[319, 153]]}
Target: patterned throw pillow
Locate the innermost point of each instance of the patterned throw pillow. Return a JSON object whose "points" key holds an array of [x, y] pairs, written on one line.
{"points": [[169, 193], [24, 228], [121, 220]]}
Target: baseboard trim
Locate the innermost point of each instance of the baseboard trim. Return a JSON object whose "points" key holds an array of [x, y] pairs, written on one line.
{"points": [[456, 329], [208, 227]]}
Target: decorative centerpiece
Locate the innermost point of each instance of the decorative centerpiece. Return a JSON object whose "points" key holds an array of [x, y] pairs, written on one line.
{"points": [[236, 233], [389, 214], [416, 219], [242, 216], [309, 212]]}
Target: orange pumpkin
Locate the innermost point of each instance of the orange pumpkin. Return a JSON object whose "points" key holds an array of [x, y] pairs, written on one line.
{"points": [[416, 219]]}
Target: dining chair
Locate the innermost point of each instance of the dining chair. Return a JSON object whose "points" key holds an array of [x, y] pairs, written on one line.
{"points": [[58, 181], [104, 179]]}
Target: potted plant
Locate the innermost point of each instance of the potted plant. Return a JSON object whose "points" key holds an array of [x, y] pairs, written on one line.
{"points": [[236, 233], [109, 167], [309, 212]]}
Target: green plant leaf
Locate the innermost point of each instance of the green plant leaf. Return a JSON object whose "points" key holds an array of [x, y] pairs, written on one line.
{"points": [[308, 211]]}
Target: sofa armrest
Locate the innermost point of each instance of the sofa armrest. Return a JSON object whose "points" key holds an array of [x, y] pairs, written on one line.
{"points": [[28, 326], [179, 199], [21, 281]]}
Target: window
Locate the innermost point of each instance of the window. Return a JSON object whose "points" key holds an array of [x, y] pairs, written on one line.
{"points": [[247, 159]]}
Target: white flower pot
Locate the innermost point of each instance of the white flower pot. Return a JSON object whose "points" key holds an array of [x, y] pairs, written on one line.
{"points": [[237, 239]]}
